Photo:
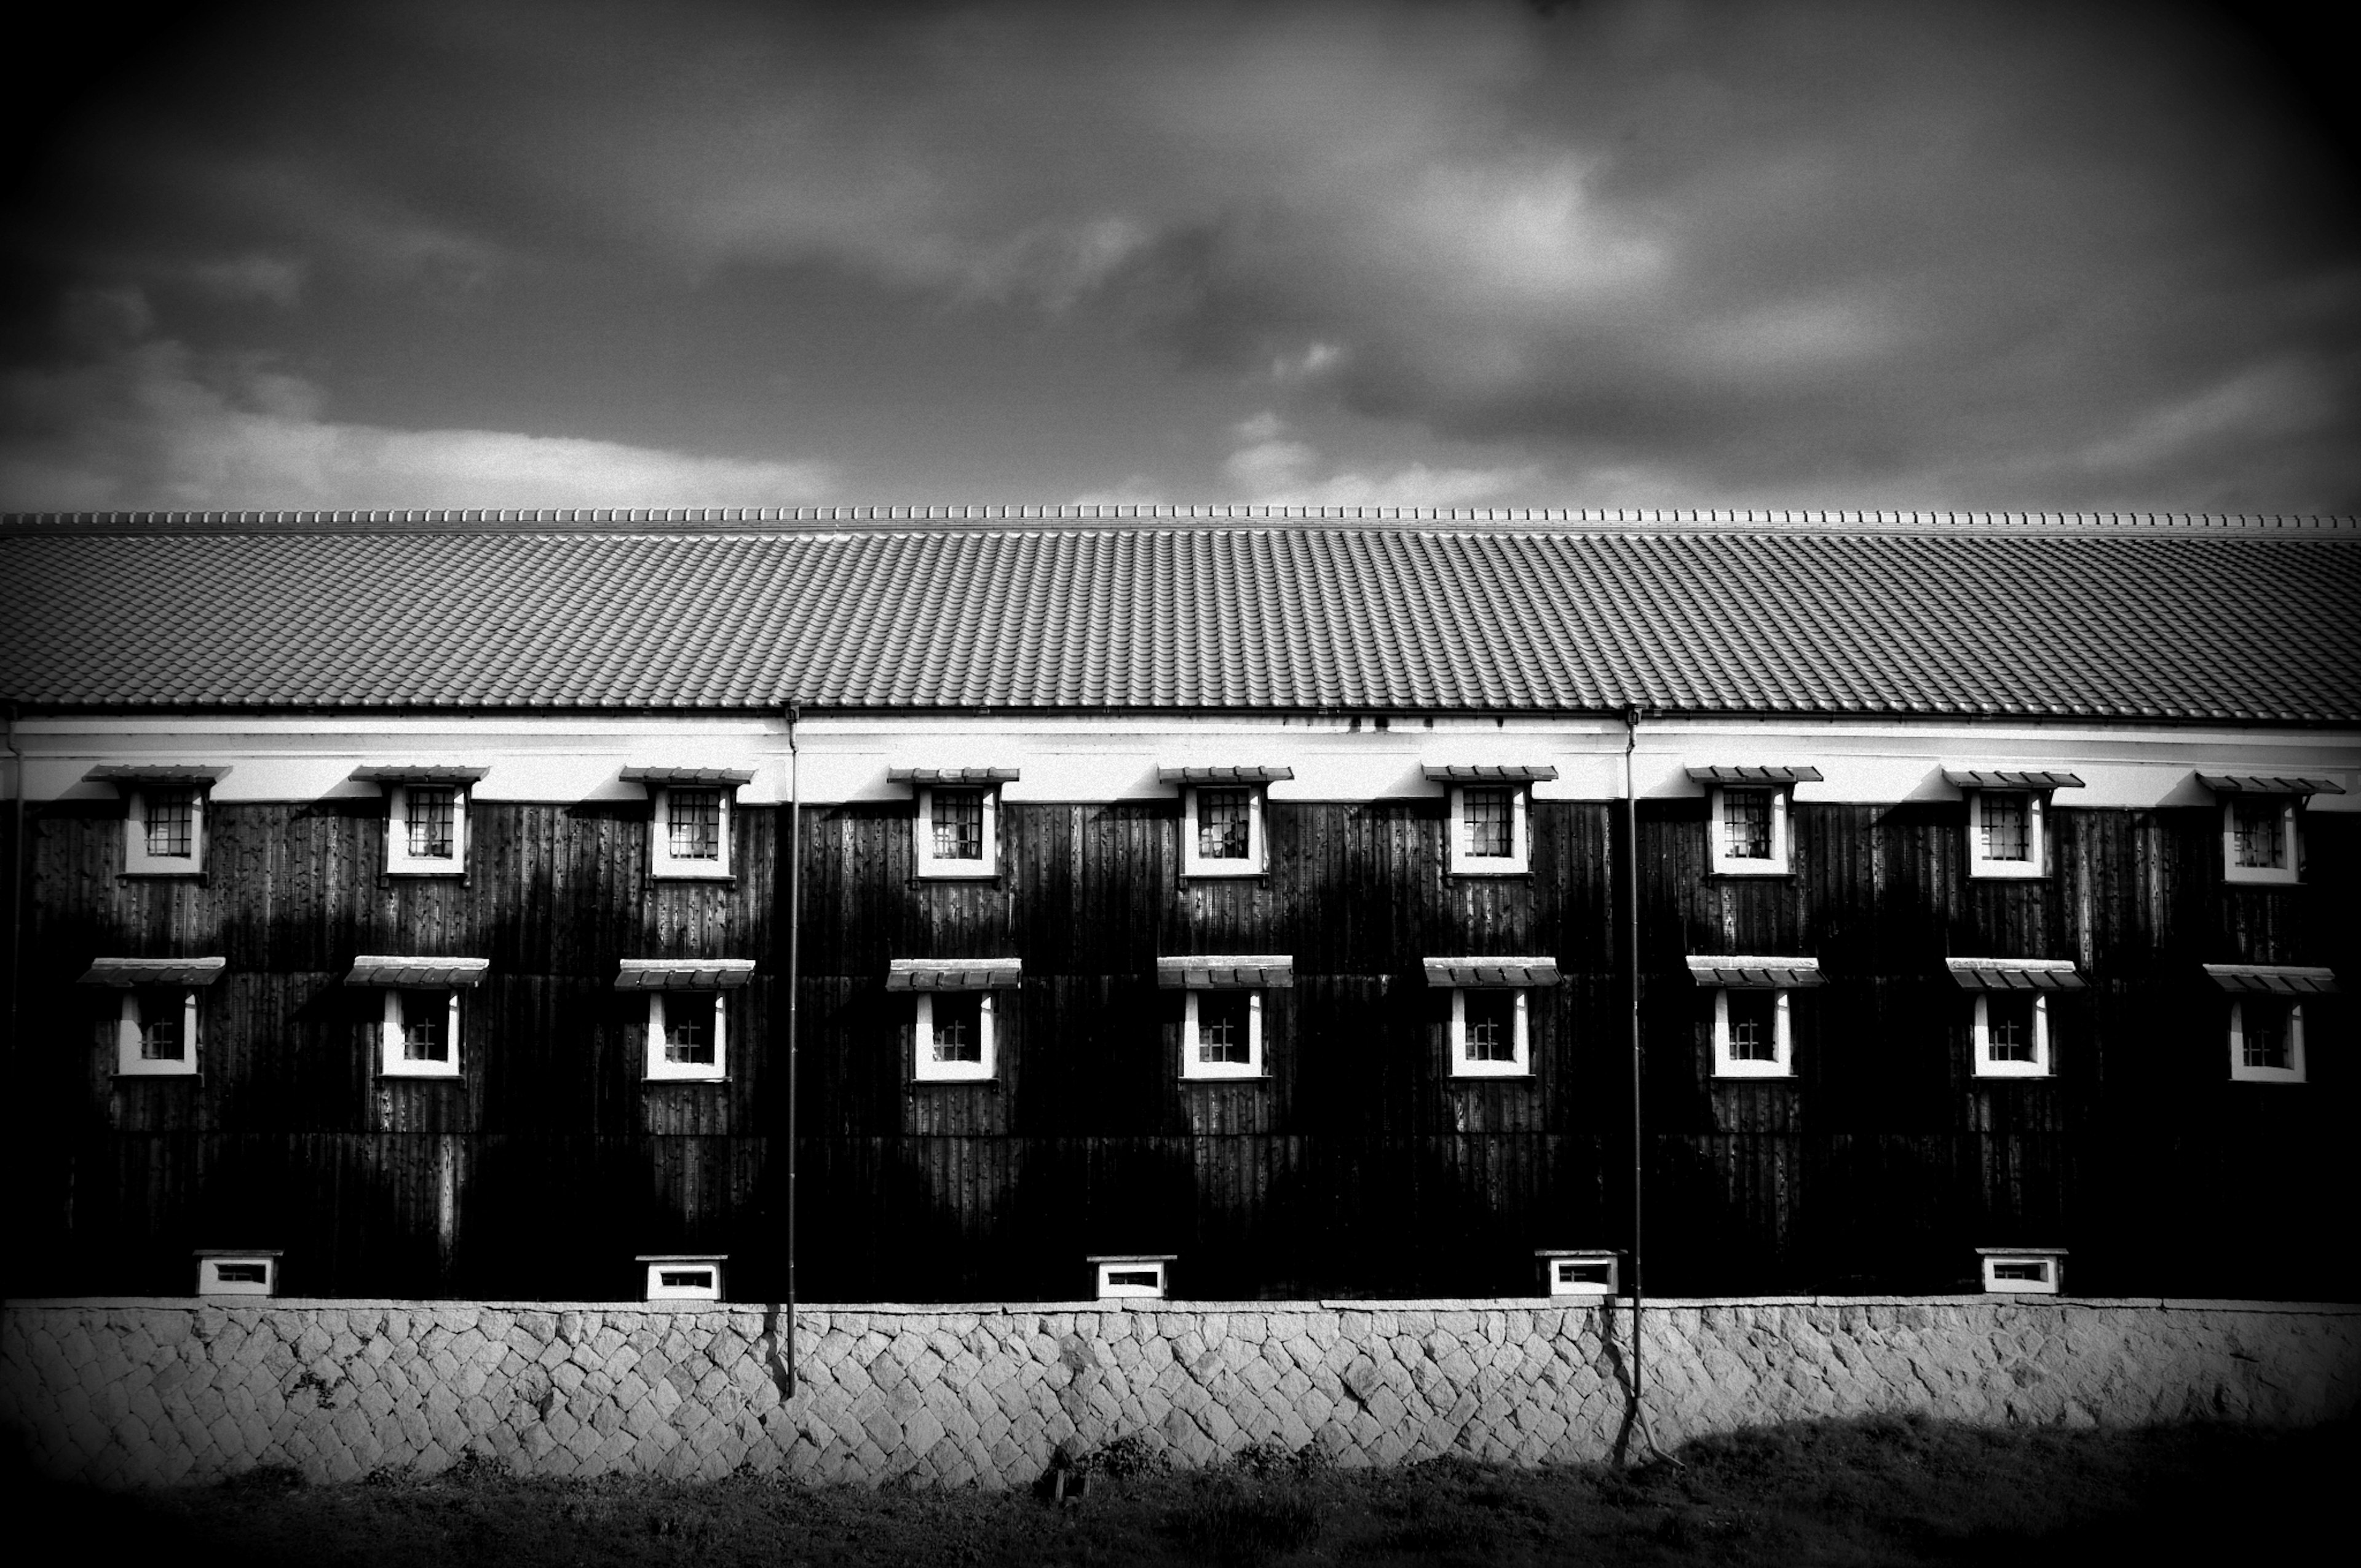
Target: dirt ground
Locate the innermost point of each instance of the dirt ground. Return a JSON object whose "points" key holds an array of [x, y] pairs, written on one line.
{"points": [[1879, 1491]]}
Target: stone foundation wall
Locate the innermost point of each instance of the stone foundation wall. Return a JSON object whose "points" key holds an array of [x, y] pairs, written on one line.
{"points": [[145, 1392]]}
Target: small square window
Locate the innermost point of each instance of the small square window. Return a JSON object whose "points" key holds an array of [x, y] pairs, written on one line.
{"points": [[1490, 1032], [420, 1034], [2008, 829], [1222, 830], [687, 1035], [164, 830], [955, 1036], [426, 829], [1491, 829], [1220, 1035], [157, 1032], [2012, 1034], [1752, 1037], [690, 838], [2261, 839], [2265, 1040], [1747, 829], [958, 830]]}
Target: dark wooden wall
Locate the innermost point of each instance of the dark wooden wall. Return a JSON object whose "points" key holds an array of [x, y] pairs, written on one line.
{"points": [[1360, 1167]]}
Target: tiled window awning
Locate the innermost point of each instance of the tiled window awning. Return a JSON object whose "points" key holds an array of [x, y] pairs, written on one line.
{"points": [[953, 974], [2015, 974], [1225, 972], [2282, 980], [953, 775], [1753, 775], [2251, 783], [684, 974], [1746, 972], [710, 777], [157, 773], [2009, 778], [1489, 773], [1222, 775], [1491, 972], [129, 972], [420, 773], [386, 969]]}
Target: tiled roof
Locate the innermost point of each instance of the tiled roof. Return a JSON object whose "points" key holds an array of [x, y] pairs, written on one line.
{"points": [[2137, 618]]}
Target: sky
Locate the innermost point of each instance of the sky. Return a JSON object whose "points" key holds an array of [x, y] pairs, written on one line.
{"points": [[1606, 253]]}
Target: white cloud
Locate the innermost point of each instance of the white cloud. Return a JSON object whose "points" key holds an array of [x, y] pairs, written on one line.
{"points": [[1271, 469], [138, 424]]}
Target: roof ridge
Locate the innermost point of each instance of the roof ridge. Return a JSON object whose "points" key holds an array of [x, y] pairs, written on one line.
{"points": [[1096, 516]]}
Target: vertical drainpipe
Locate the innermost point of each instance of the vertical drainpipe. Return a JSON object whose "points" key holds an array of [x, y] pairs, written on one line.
{"points": [[795, 955], [16, 877], [1631, 957]]}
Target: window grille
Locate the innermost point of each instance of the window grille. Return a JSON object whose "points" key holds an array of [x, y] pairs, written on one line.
{"points": [[2263, 1035], [171, 822], [692, 824], [959, 1028], [425, 1016], [1224, 1031], [958, 824], [2007, 827], [1491, 822], [2008, 1028], [1753, 1027], [1492, 1025], [2258, 830], [159, 1027], [1223, 818], [1746, 824], [689, 1027], [433, 822]]}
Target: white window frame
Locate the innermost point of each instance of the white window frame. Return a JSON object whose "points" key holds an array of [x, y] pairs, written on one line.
{"points": [[658, 1068], [1722, 862], [399, 861], [925, 1069], [1194, 1068], [129, 1062], [1520, 1065], [709, 1264], [1108, 1290], [1519, 858], [2290, 822], [136, 861], [211, 1283], [923, 831], [1783, 1037], [1258, 856], [392, 1062], [2036, 835], [662, 862], [2240, 1072], [2051, 1283], [1986, 1066]]}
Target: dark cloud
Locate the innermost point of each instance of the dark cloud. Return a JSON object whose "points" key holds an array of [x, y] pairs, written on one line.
{"points": [[2000, 255]]}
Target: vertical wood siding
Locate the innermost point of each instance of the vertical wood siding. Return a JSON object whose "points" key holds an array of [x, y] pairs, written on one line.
{"points": [[1357, 1166]]}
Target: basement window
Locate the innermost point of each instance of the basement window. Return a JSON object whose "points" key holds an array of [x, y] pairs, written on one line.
{"points": [[2029, 1271], [229, 1273], [1581, 1273], [683, 1277], [1133, 1277]]}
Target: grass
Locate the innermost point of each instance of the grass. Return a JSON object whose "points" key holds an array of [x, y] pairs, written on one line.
{"points": [[1869, 1492]]}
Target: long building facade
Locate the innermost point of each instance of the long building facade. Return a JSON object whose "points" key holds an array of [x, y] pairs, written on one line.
{"points": [[1340, 906]]}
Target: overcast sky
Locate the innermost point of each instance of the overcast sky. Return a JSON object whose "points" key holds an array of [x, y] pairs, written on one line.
{"points": [[1609, 253]]}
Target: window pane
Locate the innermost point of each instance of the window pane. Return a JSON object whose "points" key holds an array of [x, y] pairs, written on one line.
{"points": [[2007, 827], [160, 1026], [1754, 1027], [171, 822], [1746, 824], [1223, 1028], [2260, 836], [1491, 821], [958, 824], [433, 813], [959, 1027], [692, 824], [689, 1027], [2264, 1033], [425, 1018], [1491, 1018], [2008, 1027], [1223, 816]]}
